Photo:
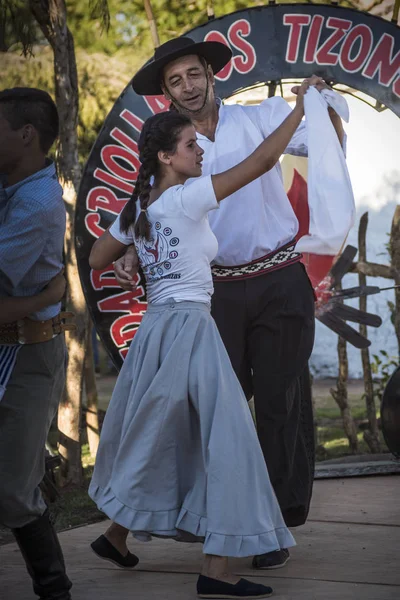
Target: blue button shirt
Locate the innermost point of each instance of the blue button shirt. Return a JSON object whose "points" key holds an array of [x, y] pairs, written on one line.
{"points": [[32, 229]]}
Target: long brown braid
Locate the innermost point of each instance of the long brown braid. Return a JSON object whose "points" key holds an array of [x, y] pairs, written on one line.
{"points": [[159, 133]]}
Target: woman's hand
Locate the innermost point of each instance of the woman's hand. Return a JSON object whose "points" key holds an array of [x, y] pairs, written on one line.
{"points": [[300, 91]]}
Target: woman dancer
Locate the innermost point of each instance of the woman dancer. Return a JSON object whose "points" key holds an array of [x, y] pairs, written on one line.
{"points": [[179, 455]]}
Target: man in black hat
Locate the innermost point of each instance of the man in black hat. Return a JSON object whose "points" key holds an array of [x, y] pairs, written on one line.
{"points": [[263, 301]]}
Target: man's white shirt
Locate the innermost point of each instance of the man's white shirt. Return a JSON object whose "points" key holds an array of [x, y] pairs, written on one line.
{"points": [[258, 218]]}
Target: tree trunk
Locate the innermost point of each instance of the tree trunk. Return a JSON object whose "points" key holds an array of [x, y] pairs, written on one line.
{"points": [[395, 259], [371, 437], [340, 396], [51, 16], [70, 410], [92, 415]]}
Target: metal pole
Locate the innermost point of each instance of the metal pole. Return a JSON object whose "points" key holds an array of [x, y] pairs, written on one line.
{"points": [[152, 23]]}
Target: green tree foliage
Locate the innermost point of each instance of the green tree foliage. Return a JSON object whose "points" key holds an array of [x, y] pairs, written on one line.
{"points": [[16, 24], [129, 31]]}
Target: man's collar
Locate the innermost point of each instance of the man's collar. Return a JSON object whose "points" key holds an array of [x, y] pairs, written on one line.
{"points": [[48, 171]]}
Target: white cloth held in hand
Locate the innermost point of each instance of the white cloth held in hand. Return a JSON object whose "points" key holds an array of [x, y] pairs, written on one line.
{"points": [[330, 195], [338, 103]]}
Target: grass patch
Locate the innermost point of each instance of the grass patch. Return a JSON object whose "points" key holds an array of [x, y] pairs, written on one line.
{"points": [[333, 412], [74, 507]]}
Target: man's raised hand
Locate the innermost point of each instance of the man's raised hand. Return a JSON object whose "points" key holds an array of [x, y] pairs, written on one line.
{"points": [[319, 83]]}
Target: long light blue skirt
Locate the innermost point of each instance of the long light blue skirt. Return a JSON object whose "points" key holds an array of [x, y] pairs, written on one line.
{"points": [[179, 455]]}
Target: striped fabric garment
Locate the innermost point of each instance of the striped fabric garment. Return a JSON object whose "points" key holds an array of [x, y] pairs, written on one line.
{"points": [[8, 356]]}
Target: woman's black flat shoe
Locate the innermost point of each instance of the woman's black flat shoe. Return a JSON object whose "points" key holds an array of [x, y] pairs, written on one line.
{"points": [[105, 550], [246, 590]]}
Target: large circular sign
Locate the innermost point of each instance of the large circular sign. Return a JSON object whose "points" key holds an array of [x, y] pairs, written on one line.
{"points": [[269, 43]]}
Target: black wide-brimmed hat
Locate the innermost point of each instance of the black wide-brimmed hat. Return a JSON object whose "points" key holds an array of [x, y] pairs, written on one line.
{"points": [[147, 81]]}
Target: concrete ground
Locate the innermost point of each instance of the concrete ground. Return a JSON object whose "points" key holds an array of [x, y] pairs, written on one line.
{"points": [[348, 550]]}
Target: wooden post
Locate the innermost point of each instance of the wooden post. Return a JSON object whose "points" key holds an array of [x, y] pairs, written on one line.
{"points": [[152, 23], [340, 395], [371, 436]]}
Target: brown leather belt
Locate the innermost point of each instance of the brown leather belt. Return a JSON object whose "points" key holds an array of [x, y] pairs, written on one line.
{"points": [[27, 331]]}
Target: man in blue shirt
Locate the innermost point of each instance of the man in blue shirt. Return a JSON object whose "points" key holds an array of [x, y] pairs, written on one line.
{"points": [[32, 347]]}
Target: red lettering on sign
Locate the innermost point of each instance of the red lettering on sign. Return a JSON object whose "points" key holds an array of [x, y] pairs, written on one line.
{"points": [[313, 36], [362, 35], [104, 278], [124, 351], [124, 140], [242, 63], [102, 197], [217, 36], [157, 104], [296, 24], [123, 302], [113, 181], [92, 221], [325, 56], [132, 119], [110, 153], [382, 62], [396, 87], [237, 31], [124, 327]]}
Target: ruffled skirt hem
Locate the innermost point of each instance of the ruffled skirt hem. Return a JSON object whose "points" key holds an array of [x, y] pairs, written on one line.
{"points": [[183, 525]]}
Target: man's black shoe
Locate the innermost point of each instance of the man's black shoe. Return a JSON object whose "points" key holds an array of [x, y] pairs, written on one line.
{"points": [[271, 560], [246, 590]]}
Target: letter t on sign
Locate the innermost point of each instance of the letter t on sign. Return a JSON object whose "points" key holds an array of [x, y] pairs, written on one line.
{"points": [[296, 23]]}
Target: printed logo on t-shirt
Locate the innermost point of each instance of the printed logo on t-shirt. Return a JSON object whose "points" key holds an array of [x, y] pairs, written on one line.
{"points": [[155, 255]]}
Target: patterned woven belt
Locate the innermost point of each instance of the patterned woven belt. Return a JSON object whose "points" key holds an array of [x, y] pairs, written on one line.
{"points": [[27, 331], [278, 259]]}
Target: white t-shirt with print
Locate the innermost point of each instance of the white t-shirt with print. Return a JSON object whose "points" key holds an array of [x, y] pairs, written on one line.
{"points": [[176, 262]]}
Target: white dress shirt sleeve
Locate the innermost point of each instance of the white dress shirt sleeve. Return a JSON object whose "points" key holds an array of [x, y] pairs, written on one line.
{"points": [[271, 113]]}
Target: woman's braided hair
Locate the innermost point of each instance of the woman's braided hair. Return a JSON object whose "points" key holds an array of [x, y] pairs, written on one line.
{"points": [[159, 133]]}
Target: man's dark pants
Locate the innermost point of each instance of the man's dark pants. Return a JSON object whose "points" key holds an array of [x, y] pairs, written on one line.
{"points": [[267, 325]]}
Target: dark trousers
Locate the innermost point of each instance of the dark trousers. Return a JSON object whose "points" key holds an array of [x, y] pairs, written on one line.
{"points": [[267, 325]]}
